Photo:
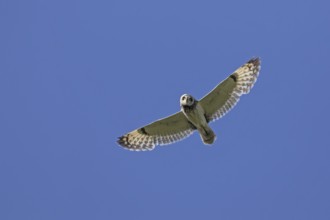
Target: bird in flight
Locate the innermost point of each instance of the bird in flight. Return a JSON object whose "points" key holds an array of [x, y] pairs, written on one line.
{"points": [[195, 115]]}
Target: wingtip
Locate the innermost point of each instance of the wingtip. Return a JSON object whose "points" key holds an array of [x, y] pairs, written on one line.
{"points": [[255, 61], [121, 141], [124, 142]]}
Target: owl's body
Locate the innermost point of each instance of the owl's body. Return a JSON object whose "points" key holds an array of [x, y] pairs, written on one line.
{"points": [[195, 114]]}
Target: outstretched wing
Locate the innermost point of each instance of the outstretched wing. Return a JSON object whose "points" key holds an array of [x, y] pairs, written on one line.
{"points": [[226, 95], [164, 131]]}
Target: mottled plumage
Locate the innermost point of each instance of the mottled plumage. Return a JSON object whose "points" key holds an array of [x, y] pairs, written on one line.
{"points": [[194, 114]]}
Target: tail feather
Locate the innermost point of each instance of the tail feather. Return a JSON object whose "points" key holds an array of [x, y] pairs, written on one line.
{"points": [[207, 135]]}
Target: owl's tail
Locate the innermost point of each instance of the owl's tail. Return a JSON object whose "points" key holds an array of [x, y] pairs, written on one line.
{"points": [[207, 135]]}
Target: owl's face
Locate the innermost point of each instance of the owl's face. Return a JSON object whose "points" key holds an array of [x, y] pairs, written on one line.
{"points": [[187, 100]]}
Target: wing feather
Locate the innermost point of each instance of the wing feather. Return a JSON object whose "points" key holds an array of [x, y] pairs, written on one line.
{"points": [[161, 132], [225, 96]]}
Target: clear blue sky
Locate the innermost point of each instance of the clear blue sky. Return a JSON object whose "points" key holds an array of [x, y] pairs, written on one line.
{"points": [[75, 75]]}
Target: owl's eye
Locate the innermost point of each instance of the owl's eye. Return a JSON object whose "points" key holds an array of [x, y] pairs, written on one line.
{"points": [[183, 98], [190, 99]]}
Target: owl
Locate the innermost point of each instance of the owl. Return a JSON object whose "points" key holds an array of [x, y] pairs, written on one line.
{"points": [[195, 115]]}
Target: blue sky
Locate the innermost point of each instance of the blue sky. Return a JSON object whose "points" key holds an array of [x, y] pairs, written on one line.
{"points": [[75, 75]]}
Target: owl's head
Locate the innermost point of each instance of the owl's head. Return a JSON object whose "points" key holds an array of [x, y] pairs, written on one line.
{"points": [[187, 100]]}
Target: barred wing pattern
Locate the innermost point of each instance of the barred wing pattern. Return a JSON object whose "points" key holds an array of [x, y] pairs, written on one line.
{"points": [[226, 95], [164, 131]]}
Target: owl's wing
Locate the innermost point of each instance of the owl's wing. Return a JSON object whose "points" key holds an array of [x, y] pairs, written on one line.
{"points": [[164, 131], [226, 95]]}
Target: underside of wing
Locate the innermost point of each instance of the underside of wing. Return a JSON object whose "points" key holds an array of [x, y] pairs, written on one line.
{"points": [[164, 131], [226, 95]]}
